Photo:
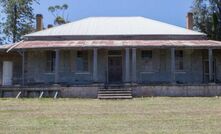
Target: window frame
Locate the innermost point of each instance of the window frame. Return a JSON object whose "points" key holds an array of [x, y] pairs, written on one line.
{"points": [[148, 57], [179, 61], [50, 62], [65, 63], [86, 71]]}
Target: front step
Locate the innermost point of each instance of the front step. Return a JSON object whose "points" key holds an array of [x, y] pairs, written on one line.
{"points": [[115, 94]]}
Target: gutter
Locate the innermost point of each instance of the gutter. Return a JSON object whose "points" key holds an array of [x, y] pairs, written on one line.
{"points": [[13, 46]]}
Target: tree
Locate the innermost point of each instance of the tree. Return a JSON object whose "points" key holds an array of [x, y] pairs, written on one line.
{"points": [[0, 31], [19, 18], [58, 11], [207, 17]]}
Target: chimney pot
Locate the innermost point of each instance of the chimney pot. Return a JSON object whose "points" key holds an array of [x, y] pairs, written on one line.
{"points": [[50, 26], [39, 22], [189, 21]]}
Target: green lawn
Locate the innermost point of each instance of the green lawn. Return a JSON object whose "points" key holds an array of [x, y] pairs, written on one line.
{"points": [[137, 116]]}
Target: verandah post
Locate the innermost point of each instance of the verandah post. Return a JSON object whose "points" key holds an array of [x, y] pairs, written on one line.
{"points": [[95, 78], [23, 68], [134, 65], [210, 57], [127, 65], [173, 66], [57, 62]]}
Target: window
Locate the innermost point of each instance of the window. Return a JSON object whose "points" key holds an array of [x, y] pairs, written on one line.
{"points": [[82, 61], [50, 61], [65, 61], [146, 58], [179, 60]]}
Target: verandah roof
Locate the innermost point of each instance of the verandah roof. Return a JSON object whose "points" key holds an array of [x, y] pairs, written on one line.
{"points": [[5, 47], [117, 43]]}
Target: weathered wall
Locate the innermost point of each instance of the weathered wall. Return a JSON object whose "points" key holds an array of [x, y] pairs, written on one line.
{"points": [[1, 71], [161, 73], [217, 56], [80, 92], [91, 91], [36, 69], [36, 64], [16, 58], [177, 91]]}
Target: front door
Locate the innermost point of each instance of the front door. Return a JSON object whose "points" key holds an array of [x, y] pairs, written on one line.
{"points": [[7, 73], [115, 69]]}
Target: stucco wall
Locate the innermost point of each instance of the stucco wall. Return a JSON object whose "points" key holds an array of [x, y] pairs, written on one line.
{"points": [[16, 58], [36, 64], [36, 72], [91, 91], [161, 73], [177, 91], [217, 56]]}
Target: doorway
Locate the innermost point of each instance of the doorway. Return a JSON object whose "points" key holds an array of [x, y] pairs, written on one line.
{"points": [[7, 73], [114, 67]]}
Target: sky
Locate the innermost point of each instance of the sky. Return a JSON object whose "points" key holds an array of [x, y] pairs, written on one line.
{"points": [[169, 11]]}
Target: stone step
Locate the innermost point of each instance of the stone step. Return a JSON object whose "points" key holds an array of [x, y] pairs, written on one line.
{"points": [[114, 94], [100, 92], [117, 89], [115, 97]]}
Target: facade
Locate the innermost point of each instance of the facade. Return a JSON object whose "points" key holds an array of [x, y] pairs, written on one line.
{"points": [[150, 57]]}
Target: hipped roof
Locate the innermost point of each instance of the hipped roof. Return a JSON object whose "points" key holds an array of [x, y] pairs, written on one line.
{"points": [[104, 26]]}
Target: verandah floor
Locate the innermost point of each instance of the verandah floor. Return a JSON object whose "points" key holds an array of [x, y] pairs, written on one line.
{"points": [[147, 115]]}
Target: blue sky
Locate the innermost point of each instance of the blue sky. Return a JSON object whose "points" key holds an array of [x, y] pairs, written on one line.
{"points": [[169, 11]]}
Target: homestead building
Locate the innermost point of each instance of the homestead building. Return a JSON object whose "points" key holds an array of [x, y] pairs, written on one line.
{"points": [[113, 57]]}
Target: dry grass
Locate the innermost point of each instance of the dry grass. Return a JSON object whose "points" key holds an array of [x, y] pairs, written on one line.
{"points": [[137, 116]]}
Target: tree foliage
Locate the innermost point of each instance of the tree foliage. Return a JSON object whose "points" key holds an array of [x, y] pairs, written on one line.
{"points": [[207, 17], [19, 18], [58, 11], [1, 38]]}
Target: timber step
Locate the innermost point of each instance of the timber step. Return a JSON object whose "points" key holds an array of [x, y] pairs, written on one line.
{"points": [[115, 94]]}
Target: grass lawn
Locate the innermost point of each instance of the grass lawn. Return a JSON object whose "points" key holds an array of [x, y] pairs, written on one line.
{"points": [[137, 116]]}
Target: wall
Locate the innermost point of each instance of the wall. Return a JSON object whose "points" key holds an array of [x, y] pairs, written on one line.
{"points": [[217, 57], [36, 69], [16, 58], [36, 64], [79, 92], [91, 91], [161, 73], [1, 72], [177, 91]]}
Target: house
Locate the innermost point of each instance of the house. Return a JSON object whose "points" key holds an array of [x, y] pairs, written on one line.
{"points": [[147, 57]]}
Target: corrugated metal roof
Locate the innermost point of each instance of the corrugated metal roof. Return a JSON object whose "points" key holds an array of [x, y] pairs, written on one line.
{"points": [[117, 43], [115, 26], [5, 47]]}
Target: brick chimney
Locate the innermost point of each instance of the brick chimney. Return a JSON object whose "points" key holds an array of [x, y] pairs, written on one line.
{"points": [[39, 22], [189, 21]]}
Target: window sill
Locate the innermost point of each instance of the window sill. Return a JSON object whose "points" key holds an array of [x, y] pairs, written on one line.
{"points": [[180, 72], [150, 72], [83, 73], [49, 73]]}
